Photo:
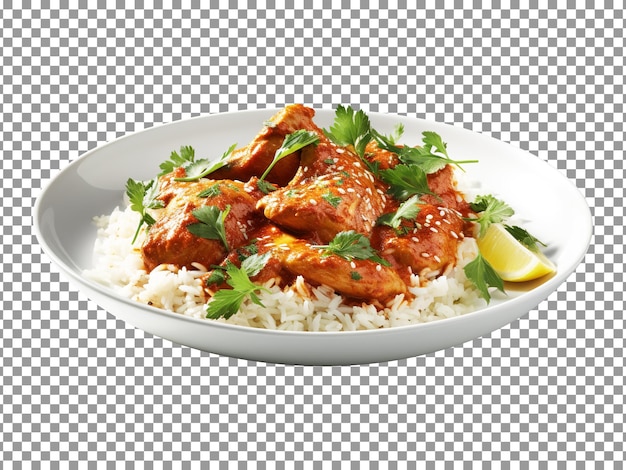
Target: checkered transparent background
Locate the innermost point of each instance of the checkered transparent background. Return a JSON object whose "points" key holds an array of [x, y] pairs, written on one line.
{"points": [[79, 386]]}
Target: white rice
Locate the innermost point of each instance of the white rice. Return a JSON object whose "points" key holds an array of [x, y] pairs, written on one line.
{"points": [[118, 265]]}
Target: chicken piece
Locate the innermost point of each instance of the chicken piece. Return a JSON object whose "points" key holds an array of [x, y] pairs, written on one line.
{"points": [[358, 279], [443, 184], [331, 192], [170, 242], [253, 159], [426, 246], [261, 242]]}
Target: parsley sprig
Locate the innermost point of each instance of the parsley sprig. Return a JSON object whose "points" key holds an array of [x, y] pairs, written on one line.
{"points": [[431, 157], [405, 181], [408, 210], [142, 197], [490, 210], [194, 169], [292, 143], [350, 127], [226, 302], [204, 167], [351, 245], [524, 237], [483, 276], [211, 223], [186, 156]]}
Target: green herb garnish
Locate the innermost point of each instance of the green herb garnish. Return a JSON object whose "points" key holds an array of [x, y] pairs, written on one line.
{"points": [[332, 199], [226, 302], [211, 223], [211, 191], [142, 197], [265, 186], [490, 210], [405, 181], [350, 128], [423, 157], [524, 237], [185, 157], [407, 210], [292, 143], [483, 276], [202, 168], [351, 245]]}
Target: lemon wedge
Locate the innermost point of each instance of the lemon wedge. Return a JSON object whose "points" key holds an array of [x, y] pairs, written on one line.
{"points": [[510, 258]]}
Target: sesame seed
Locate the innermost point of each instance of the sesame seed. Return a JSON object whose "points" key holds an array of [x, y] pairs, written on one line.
{"points": [[425, 255], [415, 239], [351, 190], [313, 202], [429, 216], [352, 264], [442, 213], [437, 258], [357, 164], [379, 267], [453, 233], [341, 191], [437, 222], [434, 230], [339, 151]]}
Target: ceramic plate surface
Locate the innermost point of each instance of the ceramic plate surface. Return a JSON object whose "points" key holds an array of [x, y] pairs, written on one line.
{"points": [[550, 205]]}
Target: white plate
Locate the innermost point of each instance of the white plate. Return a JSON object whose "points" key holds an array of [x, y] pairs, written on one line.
{"points": [[554, 209]]}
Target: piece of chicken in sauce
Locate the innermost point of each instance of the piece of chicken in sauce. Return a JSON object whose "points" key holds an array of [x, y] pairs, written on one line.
{"points": [[426, 246], [169, 240], [357, 279], [331, 192], [252, 159]]}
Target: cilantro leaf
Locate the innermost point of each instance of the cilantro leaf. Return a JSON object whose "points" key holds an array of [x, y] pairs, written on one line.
{"points": [[292, 143], [394, 137], [405, 181], [407, 210], [432, 139], [483, 276], [524, 237], [226, 302], [186, 156], [351, 245], [265, 186], [211, 191], [423, 157], [202, 168], [211, 223], [490, 210], [332, 199], [350, 128], [142, 197]]}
